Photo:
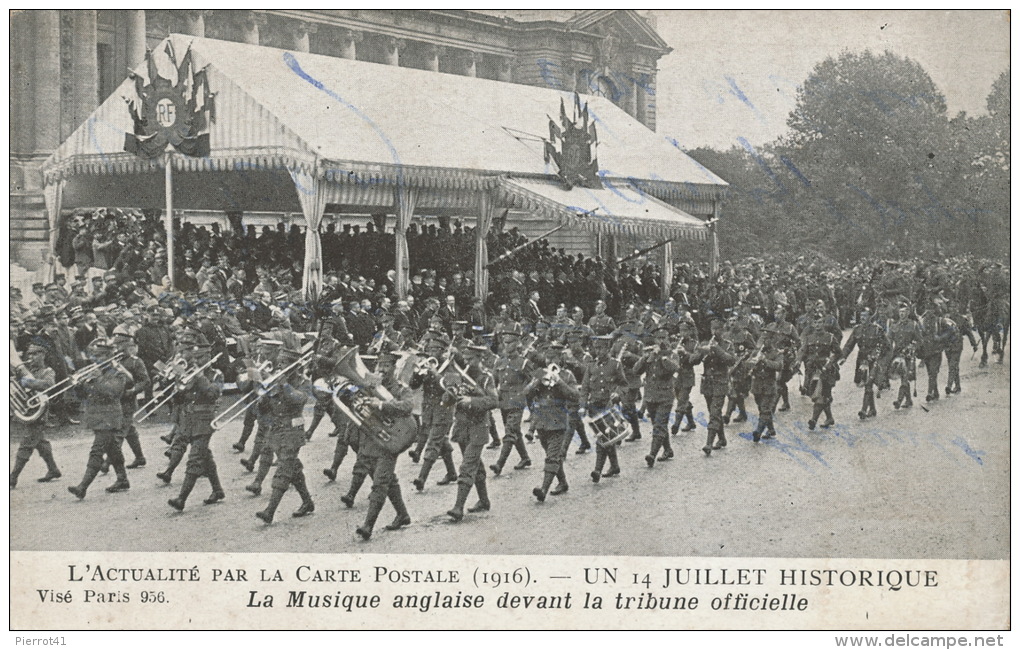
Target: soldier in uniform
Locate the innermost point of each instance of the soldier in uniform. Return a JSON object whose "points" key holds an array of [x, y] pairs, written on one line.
{"points": [[511, 378], [627, 352], [471, 431], [285, 402], [436, 415], [551, 394], [382, 461], [196, 404], [326, 354], [872, 347], [766, 363], [659, 366], [905, 334], [954, 345], [125, 343], [743, 344], [600, 388], [104, 392], [576, 359], [601, 323], [935, 332], [683, 384], [820, 354], [34, 375], [716, 357]]}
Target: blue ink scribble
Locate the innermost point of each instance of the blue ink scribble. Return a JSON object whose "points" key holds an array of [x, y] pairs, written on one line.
{"points": [[975, 454]]}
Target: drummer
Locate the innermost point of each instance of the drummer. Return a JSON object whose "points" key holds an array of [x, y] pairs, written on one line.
{"points": [[600, 390]]}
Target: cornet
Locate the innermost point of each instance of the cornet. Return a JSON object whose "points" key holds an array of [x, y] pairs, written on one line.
{"points": [[551, 375], [424, 366]]}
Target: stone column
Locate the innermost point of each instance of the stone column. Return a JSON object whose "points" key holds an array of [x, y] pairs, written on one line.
{"points": [[471, 60], [136, 43], [194, 22], [505, 69], [46, 79], [250, 27], [349, 40], [302, 32], [84, 65], [431, 54]]}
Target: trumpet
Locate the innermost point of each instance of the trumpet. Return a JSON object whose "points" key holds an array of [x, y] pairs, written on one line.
{"points": [[269, 384], [168, 393], [551, 375], [426, 365], [73, 380]]}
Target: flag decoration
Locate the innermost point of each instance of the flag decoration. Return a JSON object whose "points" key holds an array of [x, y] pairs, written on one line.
{"points": [[572, 147], [174, 112]]}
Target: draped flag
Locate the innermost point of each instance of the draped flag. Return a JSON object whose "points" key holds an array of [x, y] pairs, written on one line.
{"points": [[177, 112], [572, 147]]}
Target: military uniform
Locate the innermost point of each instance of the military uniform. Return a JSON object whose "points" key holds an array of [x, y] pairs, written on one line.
{"points": [[872, 348], [104, 414], [471, 432], [196, 405], [551, 417], [954, 347], [764, 369], [602, 382], [819, 353], [659, 367], [715, 358], [683, 383], [436, 422], [285, 403], [511, 380], [36, 377], [905, 334]]}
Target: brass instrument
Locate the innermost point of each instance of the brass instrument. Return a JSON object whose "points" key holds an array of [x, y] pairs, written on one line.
{"points": [[245, 402], [426, 365], [551, 375], [73, 380], [27, 405], [356, 401], [168, 393]]}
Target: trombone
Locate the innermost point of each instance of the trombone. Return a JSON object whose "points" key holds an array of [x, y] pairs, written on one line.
{"points": [[249, 399], [71, 381], [168, 393]]}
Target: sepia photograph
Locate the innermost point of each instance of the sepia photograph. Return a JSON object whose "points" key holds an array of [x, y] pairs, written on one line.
{"points": [[507, 312]]}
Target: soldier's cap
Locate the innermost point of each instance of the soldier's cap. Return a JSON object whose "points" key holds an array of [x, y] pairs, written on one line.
{"points": [[476, 347], [100, 345], [110, 276], [603, 337], [97, 279], [199, 346], [35, 349], [52, 285], [46, 311], [38, 285], [460, 322], [270, 342], [122, 332], [391, 357]]}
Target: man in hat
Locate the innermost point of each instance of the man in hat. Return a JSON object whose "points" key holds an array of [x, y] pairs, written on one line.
{"points": [[765, 364], [820, 354], [787, 340], [954, 345], [601, 323], [716, 357], [195, 402], [687, 342], [511, 378], [104, 414], [285, 402], [125, 344], [436, 415], [600, 389], [34, 376], [471, 431], [872, 345], [552, 394], [905, 334], [382, 461], [659, 366]]}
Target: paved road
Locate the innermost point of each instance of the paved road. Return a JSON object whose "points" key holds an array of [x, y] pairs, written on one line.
{"points": [[909, 483]]}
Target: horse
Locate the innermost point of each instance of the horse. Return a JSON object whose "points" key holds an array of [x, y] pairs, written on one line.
{"points": [[991, 320]]}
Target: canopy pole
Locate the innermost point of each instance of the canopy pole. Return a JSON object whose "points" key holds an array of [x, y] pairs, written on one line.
{"points": [[713, 253], [169, 217], [514, 251], [644, 251]]}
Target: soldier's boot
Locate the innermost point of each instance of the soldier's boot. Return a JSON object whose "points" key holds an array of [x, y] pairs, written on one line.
{"points": [[419, 447], [274, 502], [175, 459], [829, 420], [816, 410], [19, 464], [91, 472], [771, 430], [249, 426], [356, 481], [758, 430], [741, 410], [720, 442], [730, 406], [708, 443], [374, 508], [483, 504], [423, 474], [870, 411], [457, 512], [540, 492], [504, 455], [614, 462], [667, 449], [689, 414], [656, 446], [338, 457], [265, 464], [635, 426], [784, 395], [121, 484], [600, 462], [186, 488], [585, 443], [903, 399], [214, 481], [135, 445], [863, 413], [403, 518], [52, 471], [678, 417], [316, 419], [561, 483], [307, 506], [451, 469], [493, 434]]}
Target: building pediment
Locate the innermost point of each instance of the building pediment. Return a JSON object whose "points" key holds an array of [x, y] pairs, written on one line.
{"points": [[626, 25]]}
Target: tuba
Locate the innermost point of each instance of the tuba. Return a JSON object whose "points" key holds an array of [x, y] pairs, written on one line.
{"points": [[354, 399], [27, 405]]}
